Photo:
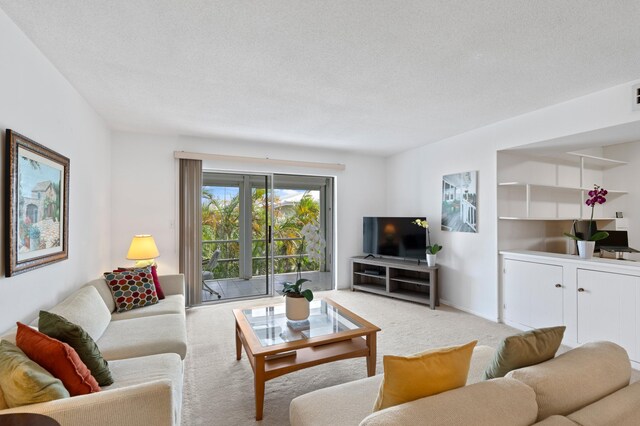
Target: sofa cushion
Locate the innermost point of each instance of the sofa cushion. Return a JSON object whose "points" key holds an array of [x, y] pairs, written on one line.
{"points": [[576, 378], [137, 337], [621, 408], [424, 374], [3, 403], [524, 349], [132, 289], [498, 402], [100, 284], [72, 334], [173, 304], [134, 371], [85, 308], [23, 381], [58, 358], [353, 401]]}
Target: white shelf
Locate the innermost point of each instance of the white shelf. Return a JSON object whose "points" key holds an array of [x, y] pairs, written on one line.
{"points": [[559, 187], [600, 161]]}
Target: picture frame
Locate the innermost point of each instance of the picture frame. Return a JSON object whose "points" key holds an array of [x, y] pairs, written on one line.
{"points": [[460, 202], [37, 200]]}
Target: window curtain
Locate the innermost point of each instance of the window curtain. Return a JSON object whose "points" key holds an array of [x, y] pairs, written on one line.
{"points": [[190, 228]]}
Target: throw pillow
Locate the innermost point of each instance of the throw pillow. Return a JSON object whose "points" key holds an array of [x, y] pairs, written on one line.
{"points": [[424, 374], [524, 349], [57, 358], [24, 382], [132, 289], [154, 274], [59, 328]]}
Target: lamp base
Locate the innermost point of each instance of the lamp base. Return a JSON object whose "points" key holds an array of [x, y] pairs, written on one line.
{"points": [[145, 263]]}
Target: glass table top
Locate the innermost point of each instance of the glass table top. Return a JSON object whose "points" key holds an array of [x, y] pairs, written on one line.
{"points": [[272, 327]]}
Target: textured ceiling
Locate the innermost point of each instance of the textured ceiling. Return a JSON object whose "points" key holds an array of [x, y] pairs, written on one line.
{"points": [[371, 76]]}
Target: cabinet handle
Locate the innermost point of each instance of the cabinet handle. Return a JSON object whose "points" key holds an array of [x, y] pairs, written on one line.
{"points": [[581, 289], [558, 285]]}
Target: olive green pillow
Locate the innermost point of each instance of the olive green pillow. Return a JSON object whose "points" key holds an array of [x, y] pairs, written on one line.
{"points": [[524, 349], [58, 327], [24, 382]]}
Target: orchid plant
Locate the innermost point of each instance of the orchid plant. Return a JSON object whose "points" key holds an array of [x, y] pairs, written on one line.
{"points": [[431, 249], [596, 196], [315, 249]]}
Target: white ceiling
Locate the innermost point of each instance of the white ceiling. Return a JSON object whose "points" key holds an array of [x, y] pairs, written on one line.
{"points": [[371, 76]]}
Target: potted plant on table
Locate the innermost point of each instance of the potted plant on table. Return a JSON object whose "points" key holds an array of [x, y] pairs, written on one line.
{"points": [[432, 249], [587, 244], [296, 299]]}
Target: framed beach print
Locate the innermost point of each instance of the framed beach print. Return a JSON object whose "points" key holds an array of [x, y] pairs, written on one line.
{"points": [[460, 202], [37, 205]]}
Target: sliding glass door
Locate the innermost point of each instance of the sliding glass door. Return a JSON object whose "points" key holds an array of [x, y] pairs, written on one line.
{"points": [[259, 230], [235, 236]]}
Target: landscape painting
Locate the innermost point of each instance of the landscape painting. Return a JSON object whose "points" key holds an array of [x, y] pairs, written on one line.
{"points": [[38, 200], [460, 202]]}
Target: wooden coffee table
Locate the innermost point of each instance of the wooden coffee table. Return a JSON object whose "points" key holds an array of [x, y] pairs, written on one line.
{"points": [[276, 346]]}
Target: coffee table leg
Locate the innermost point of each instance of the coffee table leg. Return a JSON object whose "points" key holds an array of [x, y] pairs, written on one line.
{"points": [[258, 381], [238, 343], [371, 358]]}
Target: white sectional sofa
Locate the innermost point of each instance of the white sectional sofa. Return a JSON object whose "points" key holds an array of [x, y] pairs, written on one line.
{"points": [[587, 386], [145, 348]]}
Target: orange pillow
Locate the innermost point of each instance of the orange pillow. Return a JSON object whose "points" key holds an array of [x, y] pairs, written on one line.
{"points": [[58, 358]]}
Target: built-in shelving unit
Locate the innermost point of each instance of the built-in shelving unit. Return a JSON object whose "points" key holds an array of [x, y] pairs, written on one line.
{"points": [[407, 280], [580, 191]]}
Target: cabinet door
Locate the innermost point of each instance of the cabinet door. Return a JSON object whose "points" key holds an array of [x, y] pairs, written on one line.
{"points": [[533, 293], [607, 304]]}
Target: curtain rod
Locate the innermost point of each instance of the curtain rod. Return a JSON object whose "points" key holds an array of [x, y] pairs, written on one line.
{"points": [[202, 156]]}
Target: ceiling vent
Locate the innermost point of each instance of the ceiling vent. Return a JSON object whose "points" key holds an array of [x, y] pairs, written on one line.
{"points": [[636, 98]]}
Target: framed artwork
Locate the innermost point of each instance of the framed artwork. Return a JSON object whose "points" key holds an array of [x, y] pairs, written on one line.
{"points": [[37, 203], [460, 202]]}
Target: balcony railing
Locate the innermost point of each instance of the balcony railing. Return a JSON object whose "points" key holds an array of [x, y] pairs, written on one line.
{"points": [[229, 265]]}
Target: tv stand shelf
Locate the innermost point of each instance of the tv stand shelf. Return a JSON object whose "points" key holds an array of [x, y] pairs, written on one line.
{"points": [[402, 279]]}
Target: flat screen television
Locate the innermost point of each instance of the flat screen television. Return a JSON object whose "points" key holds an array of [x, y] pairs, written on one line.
{"points": [[394, 236]]}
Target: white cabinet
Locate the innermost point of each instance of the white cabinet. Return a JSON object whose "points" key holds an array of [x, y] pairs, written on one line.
{"points": [[533, 293], [607, 305]]}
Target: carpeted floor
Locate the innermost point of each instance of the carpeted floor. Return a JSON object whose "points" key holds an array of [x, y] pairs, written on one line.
{"points": [[218, 390]]}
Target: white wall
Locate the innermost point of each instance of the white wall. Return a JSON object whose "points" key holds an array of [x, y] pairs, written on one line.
{"points": [[469, 262], [145, 176], [40, 104]]}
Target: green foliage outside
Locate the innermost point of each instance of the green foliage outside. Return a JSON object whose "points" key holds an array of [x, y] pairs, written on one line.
{"points": [[220, 222]]}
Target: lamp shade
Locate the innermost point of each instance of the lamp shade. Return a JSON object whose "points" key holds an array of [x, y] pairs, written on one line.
{"points": [[143, 247]]}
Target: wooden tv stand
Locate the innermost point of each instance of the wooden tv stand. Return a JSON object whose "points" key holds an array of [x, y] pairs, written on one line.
{"points": [[401, 279]]}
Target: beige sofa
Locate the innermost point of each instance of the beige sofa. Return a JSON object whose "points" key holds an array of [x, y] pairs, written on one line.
{"points": [[145, 348], [587, 386]]}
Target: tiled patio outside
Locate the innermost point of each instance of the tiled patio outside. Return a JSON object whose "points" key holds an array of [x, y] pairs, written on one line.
{"points": [[235, 288]]}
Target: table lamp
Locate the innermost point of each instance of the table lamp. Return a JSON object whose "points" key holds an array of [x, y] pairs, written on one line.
{"points": [[143, 250]]}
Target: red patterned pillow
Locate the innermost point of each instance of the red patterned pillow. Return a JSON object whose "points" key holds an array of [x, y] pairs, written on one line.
{"points": [[132, 289], [156, 281]]}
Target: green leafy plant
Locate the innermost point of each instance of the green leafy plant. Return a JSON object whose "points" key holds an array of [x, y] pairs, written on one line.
{"points": [[431, 248], [315, 246], [295, 290], [596, 196]]}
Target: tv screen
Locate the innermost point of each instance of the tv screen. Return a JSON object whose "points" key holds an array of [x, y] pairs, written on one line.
{"points": [[394, 236]]}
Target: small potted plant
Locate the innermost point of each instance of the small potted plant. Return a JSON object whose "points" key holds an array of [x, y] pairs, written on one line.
{"points": [[587, 244], [432, 249], [296, 299], [34, 237]]}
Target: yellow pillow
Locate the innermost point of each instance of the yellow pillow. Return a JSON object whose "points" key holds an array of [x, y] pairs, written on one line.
{"points": [[424, 374]]}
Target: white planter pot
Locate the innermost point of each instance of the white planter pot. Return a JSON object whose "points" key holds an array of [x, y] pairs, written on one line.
{"points": [[297, 308], [431, 259], [585, 249]]}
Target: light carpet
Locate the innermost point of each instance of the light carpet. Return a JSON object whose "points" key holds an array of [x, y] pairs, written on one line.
{"points": [[218, 390]]}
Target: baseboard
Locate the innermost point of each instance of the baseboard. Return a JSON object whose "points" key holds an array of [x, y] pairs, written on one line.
{"points": [[467, 310]]}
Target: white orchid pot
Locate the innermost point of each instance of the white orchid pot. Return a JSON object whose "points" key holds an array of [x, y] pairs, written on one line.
{"points": [[585, 249], [297, 308], [431, 259]]}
